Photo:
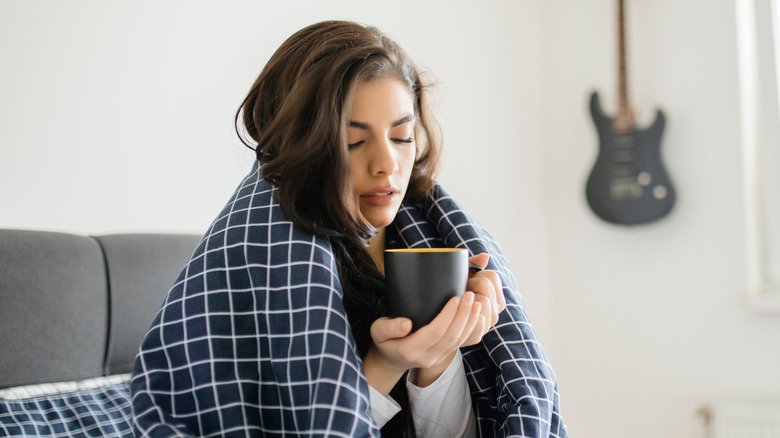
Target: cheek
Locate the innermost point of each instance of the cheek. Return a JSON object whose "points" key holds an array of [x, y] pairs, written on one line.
{"points": [[352, 167], [407, 161]]}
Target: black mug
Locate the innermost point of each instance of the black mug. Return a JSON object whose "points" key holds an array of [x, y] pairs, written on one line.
{"points": [[420, 281]]}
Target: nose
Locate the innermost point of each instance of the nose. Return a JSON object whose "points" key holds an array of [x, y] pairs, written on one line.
{"points": [[383, 158]]}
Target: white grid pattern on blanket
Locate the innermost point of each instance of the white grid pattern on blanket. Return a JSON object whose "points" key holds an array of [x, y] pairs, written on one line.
{"points": [[253, 336], [459, 230]]}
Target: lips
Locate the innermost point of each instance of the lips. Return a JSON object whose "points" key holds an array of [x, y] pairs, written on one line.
{"points": [[382, 191], [381, 196]]}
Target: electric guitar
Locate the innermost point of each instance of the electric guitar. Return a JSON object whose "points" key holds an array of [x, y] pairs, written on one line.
{"points": [[628, 184]]}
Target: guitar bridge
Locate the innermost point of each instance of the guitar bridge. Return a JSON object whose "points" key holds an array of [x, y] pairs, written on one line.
{"points": [[625, 189]]}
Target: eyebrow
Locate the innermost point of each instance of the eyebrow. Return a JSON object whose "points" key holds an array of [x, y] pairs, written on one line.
{"points": [[366, 126]]}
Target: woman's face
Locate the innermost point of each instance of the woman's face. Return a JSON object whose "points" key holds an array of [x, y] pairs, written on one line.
{"points": [[381, 147]]}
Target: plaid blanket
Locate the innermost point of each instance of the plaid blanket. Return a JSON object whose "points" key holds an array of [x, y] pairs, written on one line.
{"points": [[253, 336]]}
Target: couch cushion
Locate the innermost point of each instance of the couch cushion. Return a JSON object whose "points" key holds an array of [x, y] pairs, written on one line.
{"points": [[141, 270], [53, 307]]}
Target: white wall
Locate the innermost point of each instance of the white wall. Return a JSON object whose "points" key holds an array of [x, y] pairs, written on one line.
{"points": [[117, 116], [651, 323]]}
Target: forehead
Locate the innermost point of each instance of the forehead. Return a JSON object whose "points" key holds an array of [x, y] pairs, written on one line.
{"points": [[382, 100]]}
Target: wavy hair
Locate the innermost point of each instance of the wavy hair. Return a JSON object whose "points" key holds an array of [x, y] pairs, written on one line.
{"points": [[296, 116]]}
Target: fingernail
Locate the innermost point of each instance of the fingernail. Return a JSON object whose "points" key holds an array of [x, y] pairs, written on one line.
{"points": [[469, 297]]}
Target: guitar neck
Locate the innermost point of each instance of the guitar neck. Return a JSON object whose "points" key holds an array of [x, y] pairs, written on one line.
{"points": [[624, 120]]}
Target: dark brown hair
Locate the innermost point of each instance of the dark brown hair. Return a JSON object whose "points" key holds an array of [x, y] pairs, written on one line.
{"points": [[296, 112]]}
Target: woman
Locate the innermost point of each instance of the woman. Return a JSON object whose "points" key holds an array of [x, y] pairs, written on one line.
{"points": [[276, 324]]}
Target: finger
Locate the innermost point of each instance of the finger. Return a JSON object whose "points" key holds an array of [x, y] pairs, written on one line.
{"points": [[429, 334], [480, 260], [480, 328], [384, 328], [454, 331], [484, 326], [469, 331], [482, 285], [496, 279], [487, 307]]}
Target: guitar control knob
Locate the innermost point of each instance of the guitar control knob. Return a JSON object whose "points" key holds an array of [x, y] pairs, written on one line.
{"points": [[644, 179], [660, 192]]}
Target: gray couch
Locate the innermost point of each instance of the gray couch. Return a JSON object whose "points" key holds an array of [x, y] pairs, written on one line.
{"points": [[74, 307]]}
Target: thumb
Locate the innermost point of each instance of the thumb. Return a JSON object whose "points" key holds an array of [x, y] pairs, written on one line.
{"points": [[480, 260], [384, 328]]}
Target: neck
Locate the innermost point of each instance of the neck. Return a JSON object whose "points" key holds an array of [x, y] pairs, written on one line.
{"points": [[624, 119], [376, 249]]}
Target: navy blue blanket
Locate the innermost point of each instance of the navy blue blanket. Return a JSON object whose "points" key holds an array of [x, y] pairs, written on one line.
{"points": [[253, 337]]}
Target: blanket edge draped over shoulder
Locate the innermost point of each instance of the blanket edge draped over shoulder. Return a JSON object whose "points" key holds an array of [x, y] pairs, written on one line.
{"points": [[253, 336]]}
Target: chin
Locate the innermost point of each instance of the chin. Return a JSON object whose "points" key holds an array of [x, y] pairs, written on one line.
{"points": [[380, 223], [381, 220]]}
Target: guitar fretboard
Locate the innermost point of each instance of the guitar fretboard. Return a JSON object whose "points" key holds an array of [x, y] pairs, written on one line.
{"points": [[624, 119]]}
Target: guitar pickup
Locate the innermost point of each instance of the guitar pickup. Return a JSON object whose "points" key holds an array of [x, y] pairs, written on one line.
{"points": [[624, 155]]}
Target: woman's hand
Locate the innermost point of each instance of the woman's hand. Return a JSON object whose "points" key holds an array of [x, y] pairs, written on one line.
{"points": [[487, 288], [462, 322], [395, 351]]}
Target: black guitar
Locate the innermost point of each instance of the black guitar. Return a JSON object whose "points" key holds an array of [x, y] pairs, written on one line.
{"points": [[628, 184]]}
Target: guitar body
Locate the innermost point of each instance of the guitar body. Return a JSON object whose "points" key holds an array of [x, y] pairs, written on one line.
{"points": [[628, 184]]}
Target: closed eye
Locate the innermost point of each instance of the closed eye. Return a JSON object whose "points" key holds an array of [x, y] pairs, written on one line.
{"points": [[397, 140]]}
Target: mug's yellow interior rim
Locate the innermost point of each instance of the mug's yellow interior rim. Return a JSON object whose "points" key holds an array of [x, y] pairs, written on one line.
{"points": [[425, 250]]}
